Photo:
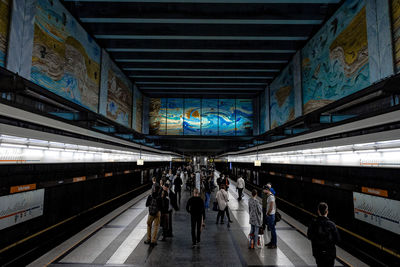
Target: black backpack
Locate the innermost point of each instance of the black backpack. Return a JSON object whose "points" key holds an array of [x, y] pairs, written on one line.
{"points": [[323, 235], [153, 207]]}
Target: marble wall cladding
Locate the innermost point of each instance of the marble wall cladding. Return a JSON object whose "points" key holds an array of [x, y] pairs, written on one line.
{"points": [[335, 61], [20, 44], [396, 33], [145, 116], [373, 41], [282, 97], [65, 58], [4, 26], [385, 39], [264, 111], [298, 93]]}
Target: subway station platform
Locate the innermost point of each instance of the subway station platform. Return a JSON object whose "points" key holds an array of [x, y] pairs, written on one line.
{"points": [[118, 240]]}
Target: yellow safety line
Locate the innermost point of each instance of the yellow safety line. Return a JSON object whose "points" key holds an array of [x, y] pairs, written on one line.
{"points": [[66, 220], [344, 229]]}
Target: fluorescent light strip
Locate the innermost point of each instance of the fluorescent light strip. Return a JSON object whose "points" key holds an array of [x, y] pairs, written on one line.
{"points": [[200, 83], [188, 69], [200, 61], [205, 21], [283, 51], [191, 37], [198, 77], [217, 1]]}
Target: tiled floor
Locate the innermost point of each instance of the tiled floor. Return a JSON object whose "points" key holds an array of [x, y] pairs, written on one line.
{"points": [[119, 242]]}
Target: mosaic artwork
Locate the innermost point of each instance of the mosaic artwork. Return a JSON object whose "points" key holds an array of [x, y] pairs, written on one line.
{"points": [[244, 117], [335, 60], [226, 115], [209, 117], [138, 110], [282, 98], [175, 116], [119, 98], [396, 32], [65, 59], [158, 116], [191, 117], [4, 22]]}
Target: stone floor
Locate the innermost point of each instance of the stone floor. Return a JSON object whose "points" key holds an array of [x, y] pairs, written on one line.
{"points": [[119, 242]]}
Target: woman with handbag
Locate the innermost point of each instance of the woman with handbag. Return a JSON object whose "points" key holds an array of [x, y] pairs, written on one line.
{"points": [[255, 219]]}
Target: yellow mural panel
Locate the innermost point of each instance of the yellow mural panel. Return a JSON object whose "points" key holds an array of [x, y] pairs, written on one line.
{"points": [[4, 25]]}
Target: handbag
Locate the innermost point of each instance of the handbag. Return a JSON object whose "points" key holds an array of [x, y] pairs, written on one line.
{"points": [[278, 217], [260, 231], [215, 206]]}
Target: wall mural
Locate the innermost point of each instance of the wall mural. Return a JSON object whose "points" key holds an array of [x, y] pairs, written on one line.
{"points": [[178, 116], [138, 110], [244, 117], [191, 116], [396, 33], [119, 98], [65, 59], [4, 22], [158, 116], [226, 115], [209, 116], [335, 60], [282, 97], [263, 112], [174, 116]]}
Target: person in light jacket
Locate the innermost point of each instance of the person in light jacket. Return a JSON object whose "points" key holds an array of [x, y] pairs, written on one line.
{"points": [[222, 199], [255, 218], [240, 187]]}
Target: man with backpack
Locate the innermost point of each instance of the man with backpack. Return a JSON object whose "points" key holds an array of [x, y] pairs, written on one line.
{"points": [[324, 236], [154, 203]]}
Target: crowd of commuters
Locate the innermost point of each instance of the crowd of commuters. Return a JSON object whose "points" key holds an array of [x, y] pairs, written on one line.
{"points": [[199, 183]]}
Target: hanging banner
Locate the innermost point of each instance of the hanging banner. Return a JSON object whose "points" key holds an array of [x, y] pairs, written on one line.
{"points": [[21, 207], [378, 211]]}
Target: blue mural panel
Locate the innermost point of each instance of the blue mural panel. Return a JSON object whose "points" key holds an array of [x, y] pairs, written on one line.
{"points": [[244, 117], [335, 61], [4, 26], [282, 98], [175, 116], [209, 117], [65, 59], [158, 116], [191, 118], [226, 115]]}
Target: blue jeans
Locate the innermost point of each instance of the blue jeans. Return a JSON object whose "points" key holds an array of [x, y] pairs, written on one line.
{"points": [[271, 227], [207, 201], [253, 235]]}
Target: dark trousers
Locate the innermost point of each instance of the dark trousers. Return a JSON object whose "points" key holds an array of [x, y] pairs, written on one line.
{"points": [[240, 192], [178, 196], [221, 214], [325, 261], [196, 226], [170, 223]]}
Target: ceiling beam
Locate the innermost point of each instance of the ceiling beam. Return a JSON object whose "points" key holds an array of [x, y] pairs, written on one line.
{"points": [[144, 88], [192, 37], [205, 21], [201, 83], [202, 61], [217, 1], [198, 77], [288, 51], [222, 70]]}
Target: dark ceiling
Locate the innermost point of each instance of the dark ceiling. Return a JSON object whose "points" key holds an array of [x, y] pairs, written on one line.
{"points": [[201, 48], [193, 48]]}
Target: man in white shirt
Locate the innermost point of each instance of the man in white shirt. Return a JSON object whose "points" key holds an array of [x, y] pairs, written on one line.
{"points": [[271, 209], [240, 187]]}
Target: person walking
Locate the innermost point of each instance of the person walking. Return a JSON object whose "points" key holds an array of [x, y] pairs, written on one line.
{"points": [[222, 199], [178, 188], [195, 206], [324, 236], [153, 220], [164, 214], [255, 218], [207, 190], [270, 217], [240, 186]]}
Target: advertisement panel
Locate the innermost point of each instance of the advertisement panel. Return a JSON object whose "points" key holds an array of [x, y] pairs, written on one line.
{"points": [[18, 208]]}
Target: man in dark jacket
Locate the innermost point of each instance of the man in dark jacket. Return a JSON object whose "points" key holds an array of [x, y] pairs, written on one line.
{"points": [[178, 187], [324, 236], [153, 221], [195, 206]]}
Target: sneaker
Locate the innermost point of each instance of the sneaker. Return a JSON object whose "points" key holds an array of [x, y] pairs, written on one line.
{"points": [[147, 242], [194, 245], [271, 246]]}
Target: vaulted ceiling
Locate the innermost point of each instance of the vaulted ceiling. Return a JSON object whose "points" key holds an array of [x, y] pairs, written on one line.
{"points": [[192, 48]]}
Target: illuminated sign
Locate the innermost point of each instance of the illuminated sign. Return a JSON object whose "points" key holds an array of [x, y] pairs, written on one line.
{"points": [[257, 163], [79, 179], [22, 188], [375, 191], [318, 181], [140, 162]]}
